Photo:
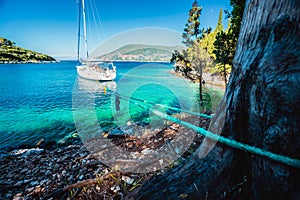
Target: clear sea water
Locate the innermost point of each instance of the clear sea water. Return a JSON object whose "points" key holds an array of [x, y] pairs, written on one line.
{"points": [[37, 100]]}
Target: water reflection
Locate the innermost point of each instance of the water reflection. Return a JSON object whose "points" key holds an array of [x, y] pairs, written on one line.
{"points": [[89, 86]]}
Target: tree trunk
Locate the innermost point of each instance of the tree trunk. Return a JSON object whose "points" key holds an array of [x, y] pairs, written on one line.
{"points": [[262, 109], [200, 87], [225, 74]]}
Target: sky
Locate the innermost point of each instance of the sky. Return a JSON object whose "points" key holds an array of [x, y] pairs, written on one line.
{"points": [[50, 26]]}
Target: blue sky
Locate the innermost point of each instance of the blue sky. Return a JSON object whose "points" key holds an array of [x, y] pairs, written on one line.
{"points": [[50, 26]]}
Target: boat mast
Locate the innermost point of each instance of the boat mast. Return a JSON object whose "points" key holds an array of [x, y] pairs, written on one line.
{"points": [[84, 30], [79, 31]]}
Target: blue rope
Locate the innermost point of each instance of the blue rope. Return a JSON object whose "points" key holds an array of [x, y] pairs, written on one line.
{"points": [[229, 142], [165, 106], [233, 143], [187, 111]]}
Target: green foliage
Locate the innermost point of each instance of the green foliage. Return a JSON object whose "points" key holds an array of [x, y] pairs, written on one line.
{"points": [[11, 53], [224, 52], [193, 58], [219, 26], [199, 50], [198, 56], [224, 48], [6, 42], [219, 44], [207, 42], [225, 43], [182, 63], [235, 16], [192, 30]]}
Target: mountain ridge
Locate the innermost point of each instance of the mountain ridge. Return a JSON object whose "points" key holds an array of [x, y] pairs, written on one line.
{"points": [[141, 52]]}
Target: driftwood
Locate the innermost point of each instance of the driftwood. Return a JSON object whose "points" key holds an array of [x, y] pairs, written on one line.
{"points": [[90, 182]]}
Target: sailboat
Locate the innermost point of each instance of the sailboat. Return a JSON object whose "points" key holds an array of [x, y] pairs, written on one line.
{"points": [[89, 69]]}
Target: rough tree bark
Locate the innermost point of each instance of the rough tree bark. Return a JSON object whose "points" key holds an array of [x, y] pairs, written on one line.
{"points": [[262, 109]]}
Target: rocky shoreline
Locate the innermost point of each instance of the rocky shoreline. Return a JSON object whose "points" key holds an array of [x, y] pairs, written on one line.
{"points": [[27, 62], [72, 172], [208, 78], [60, 174]]}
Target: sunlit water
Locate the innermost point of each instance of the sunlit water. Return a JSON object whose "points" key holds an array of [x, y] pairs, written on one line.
{"points": [[37, 100]]}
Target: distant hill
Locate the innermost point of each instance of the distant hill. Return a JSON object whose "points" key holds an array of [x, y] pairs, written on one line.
{"points": [[140, 52], [10, 53]]}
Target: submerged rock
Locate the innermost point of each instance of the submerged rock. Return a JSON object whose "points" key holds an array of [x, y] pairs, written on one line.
{"points": [[116, 133]]}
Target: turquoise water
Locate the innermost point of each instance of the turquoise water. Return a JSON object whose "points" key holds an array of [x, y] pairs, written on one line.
{"points": [[37, 100]]}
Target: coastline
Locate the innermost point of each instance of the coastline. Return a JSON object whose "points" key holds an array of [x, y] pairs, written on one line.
{"points": [[72, 172], [136, 61], [50, 171], [58, 61], [209, 79], [28, 62]]}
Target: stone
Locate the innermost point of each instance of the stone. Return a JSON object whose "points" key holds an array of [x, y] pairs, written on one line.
{"points": [[35, 170], [29, 189], [9, 196], [71, 178], [58, 176], [24, 171], [18, 196], [83, 171], [10, 176], [48, 173], [34, 183], [56, 167], [91, 163], [134, 155], [115, 188], [98, 188], [19, 183], [161, 161], [43, 181], [116, 133], [63, 173], [27, 181], [83, 154], [127, 179], [34, 151], [146, 151], [81, 177]]}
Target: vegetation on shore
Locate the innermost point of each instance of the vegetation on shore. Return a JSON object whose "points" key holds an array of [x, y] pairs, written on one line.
{"points": [[211, 51], [10, 53]]}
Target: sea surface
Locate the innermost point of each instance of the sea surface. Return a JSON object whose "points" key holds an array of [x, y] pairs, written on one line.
{"points": [[48, 101]]}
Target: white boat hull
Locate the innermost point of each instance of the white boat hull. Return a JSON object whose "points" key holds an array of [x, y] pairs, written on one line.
{"points": [[95, 86], [93, 73]]}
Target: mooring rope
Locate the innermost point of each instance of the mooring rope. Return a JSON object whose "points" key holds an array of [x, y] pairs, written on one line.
{"points": [[139, 76], [233, 143], [165, 106], [229, 142]]}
